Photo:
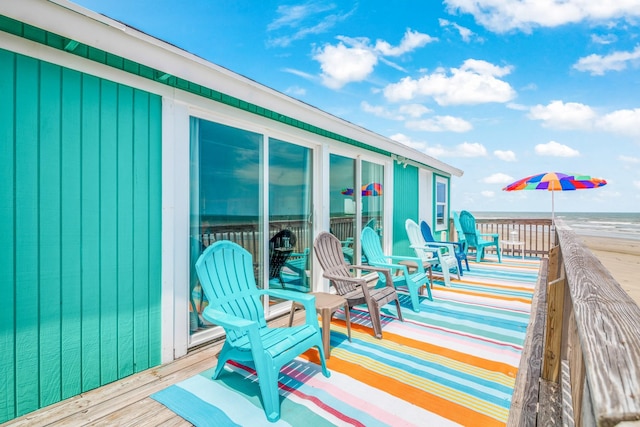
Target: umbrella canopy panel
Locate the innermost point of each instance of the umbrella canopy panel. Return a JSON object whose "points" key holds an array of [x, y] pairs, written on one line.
{"points": [[555, 181]]}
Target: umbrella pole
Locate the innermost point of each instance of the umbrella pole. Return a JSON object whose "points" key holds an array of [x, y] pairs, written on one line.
{"points": [[553, 215]]}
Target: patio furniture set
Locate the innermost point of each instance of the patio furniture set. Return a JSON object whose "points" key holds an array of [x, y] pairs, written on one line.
{"points": [[225, 270]]}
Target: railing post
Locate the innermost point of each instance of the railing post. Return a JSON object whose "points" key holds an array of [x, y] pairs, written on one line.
{"points": [[555, 317]]}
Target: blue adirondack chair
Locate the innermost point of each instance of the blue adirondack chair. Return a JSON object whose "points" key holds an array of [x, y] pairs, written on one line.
{"points": [[458, 246], [478, 240], [440, 256], [415, 281], [225, 270]]}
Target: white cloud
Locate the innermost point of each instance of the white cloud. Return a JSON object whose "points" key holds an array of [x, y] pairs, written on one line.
{"points": [[625, 122], [505, 155], [440, 124], [475, 82], [597, 65], [380, 111], [629, 159], [636, 184], [414, 110], [555, 149], [488, 193], [466, 149], [409, 110], [501, 16], [341, 64], [559, 115], [498, 178], [304, 19], [604, 39], [354, 59], [464, 32], [296, 91], [411, 41]]}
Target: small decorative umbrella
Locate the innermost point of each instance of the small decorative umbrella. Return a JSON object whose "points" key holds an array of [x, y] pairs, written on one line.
{"points": [[373, 189], [555, 181]]}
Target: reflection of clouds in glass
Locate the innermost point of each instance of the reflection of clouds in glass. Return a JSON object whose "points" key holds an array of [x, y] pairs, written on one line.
{"points": [[229, 170], [286, 176]]}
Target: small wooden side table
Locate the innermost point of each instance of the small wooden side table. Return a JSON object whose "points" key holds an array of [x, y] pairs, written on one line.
{"points": [[326, 306]]}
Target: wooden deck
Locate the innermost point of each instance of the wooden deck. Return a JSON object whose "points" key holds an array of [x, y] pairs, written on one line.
{"points": [[127, 402]]}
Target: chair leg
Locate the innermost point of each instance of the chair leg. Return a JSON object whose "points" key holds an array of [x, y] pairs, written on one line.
{"points": [[374, 313], [466, 261], [320, 346], [414, 289], [268, 381], [429, 296], [398, 307], [223, 357], [498, 250], [445, 275]]}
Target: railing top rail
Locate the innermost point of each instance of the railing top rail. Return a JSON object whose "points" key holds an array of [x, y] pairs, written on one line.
{"points": [[608, 322]]}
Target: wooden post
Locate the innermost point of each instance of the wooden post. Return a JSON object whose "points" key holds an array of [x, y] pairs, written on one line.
{"points": [[553, 335]]}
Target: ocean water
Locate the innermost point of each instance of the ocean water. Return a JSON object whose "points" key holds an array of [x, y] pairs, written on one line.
{"points": [[625, 225]]}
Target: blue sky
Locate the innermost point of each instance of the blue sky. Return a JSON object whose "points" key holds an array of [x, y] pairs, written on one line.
{"points": [[501, 89]]}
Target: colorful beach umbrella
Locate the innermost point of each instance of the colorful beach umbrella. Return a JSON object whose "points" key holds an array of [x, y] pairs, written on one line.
{"points": [[555, 181], [373, 189]]}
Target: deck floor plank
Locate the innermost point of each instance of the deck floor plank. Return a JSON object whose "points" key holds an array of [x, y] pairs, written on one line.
{"points": [[113, 401]]}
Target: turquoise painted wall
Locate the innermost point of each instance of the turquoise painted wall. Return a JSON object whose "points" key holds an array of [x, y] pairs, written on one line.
{"points": [[405, 205], [80, 225]]}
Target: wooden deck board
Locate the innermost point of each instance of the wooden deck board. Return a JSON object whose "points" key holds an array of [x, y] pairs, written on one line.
{"points": [[126, 402], [115, 401]]}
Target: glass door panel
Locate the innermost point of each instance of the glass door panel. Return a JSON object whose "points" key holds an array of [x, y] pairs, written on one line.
{"points": [[342, 200], [225, 179], [290, 208], [373, 196]]}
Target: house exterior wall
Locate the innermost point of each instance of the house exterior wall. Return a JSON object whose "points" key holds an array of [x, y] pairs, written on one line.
{"points": [[80, 220], [406, 203], [94, 205]]}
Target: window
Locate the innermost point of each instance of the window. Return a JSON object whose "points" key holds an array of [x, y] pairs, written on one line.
{"points": [[442, 203], [226, 182], [290, 219]]}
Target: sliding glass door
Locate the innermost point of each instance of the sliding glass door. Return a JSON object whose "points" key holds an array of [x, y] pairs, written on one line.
{"points": [[226, 167], [290, 219]]}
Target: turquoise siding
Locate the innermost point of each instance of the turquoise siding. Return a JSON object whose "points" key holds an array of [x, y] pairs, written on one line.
{"points": [[80, 223], [405, 205]]}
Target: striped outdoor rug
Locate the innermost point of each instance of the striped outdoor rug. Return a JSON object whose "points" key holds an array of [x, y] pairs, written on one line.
{"points": [[454, 363]]}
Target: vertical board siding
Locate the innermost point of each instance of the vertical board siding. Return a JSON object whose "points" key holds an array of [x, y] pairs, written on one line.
{"points": [[7, 231], [80, 220], [405, 205]]}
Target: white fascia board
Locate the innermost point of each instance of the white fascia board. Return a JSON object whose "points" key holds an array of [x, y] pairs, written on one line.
{"points": [[83, 25]]}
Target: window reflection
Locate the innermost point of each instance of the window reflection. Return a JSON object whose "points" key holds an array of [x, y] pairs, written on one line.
{"points": [[290, 207], [225, 169]]}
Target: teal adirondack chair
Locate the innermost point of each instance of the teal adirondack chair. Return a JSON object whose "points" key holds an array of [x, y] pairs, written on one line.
{"points": [[225, 270], [478, 240], [461, 239], [415, 282]]}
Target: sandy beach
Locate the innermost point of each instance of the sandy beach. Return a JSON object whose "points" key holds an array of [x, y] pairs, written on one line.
{"points": [[622, 258]]}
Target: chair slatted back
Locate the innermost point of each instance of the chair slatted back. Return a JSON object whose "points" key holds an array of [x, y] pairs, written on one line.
{"points": [[372, 247], [225, 271], [416, 239], [328, 250], [468, 225]]}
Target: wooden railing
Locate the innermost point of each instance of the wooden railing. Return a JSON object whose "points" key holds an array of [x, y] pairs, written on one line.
{"points": [[536, 234], [584, 327]]}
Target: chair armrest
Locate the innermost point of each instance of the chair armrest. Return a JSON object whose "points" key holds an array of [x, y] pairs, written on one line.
{"points": [[448, 246], [405, 270], [494, 235], [227, 321], [305, 299]]}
